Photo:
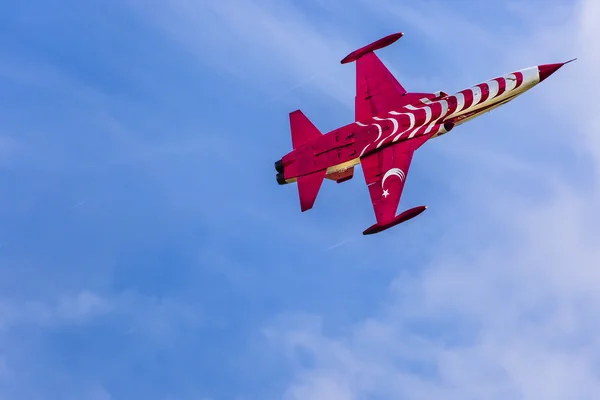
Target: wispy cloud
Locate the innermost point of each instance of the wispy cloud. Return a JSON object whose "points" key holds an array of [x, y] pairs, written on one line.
{"points": [[149, 314], [69, 308]]}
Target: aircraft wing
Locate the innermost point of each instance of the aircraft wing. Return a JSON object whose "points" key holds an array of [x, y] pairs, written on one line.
{"points": [[377, 90], [385, 174]]}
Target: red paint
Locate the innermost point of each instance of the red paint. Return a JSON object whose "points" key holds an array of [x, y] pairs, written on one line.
{"points": [[376, 45], [341, 176], [391, 124], [405, 216], [548, 69]]}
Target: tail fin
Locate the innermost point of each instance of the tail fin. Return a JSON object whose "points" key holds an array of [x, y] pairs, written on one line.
{"points": [[303, 130], [308, 188]]}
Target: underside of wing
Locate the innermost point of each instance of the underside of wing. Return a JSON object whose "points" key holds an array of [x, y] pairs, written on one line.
{"points": [[377, 90], [385, 174]]}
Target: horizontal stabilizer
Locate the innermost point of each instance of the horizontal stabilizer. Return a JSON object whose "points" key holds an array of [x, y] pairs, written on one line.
{"points": [[303, 131], [308, 188]]}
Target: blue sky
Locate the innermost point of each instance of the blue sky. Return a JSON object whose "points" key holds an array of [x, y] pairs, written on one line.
{"points": [[146, 250]]}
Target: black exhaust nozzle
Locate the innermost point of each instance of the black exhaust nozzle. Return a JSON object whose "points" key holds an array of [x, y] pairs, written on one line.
{"points": [[279, 166], [281, 179]]}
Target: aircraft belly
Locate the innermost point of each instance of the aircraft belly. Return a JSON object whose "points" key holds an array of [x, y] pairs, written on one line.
{"points": [[469, 113], [343, 166], [461, 119]]}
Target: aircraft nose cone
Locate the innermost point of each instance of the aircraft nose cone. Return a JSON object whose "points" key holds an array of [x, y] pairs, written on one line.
{"points": [[546, 70]]}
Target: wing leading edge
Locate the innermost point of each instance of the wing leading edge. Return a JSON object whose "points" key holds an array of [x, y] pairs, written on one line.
{"points": [[377, 90], [385, 174]]}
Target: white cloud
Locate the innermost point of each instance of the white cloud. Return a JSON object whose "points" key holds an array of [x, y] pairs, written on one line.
{"points": [[153, 317], [514, 316], [69, 308], [82, 305]]}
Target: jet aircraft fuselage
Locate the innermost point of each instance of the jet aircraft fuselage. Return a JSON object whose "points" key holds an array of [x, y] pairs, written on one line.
{"points": [[390, 124]]}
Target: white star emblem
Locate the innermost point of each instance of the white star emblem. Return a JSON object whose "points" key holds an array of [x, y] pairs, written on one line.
{"points": [[386, 193]]}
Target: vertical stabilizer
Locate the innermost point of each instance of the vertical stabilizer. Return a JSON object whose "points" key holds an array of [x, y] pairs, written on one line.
{"points": [[303, 131]]}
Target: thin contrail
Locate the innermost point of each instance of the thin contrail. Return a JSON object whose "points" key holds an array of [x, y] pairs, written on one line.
{"points": [[295, 87], [341, 243]]}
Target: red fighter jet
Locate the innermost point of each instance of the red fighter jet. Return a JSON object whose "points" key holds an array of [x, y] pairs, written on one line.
{"points": [[390, 124]]}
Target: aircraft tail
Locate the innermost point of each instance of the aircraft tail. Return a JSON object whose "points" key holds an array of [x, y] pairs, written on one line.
{"points": [[303, 130], [308, 188]]}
